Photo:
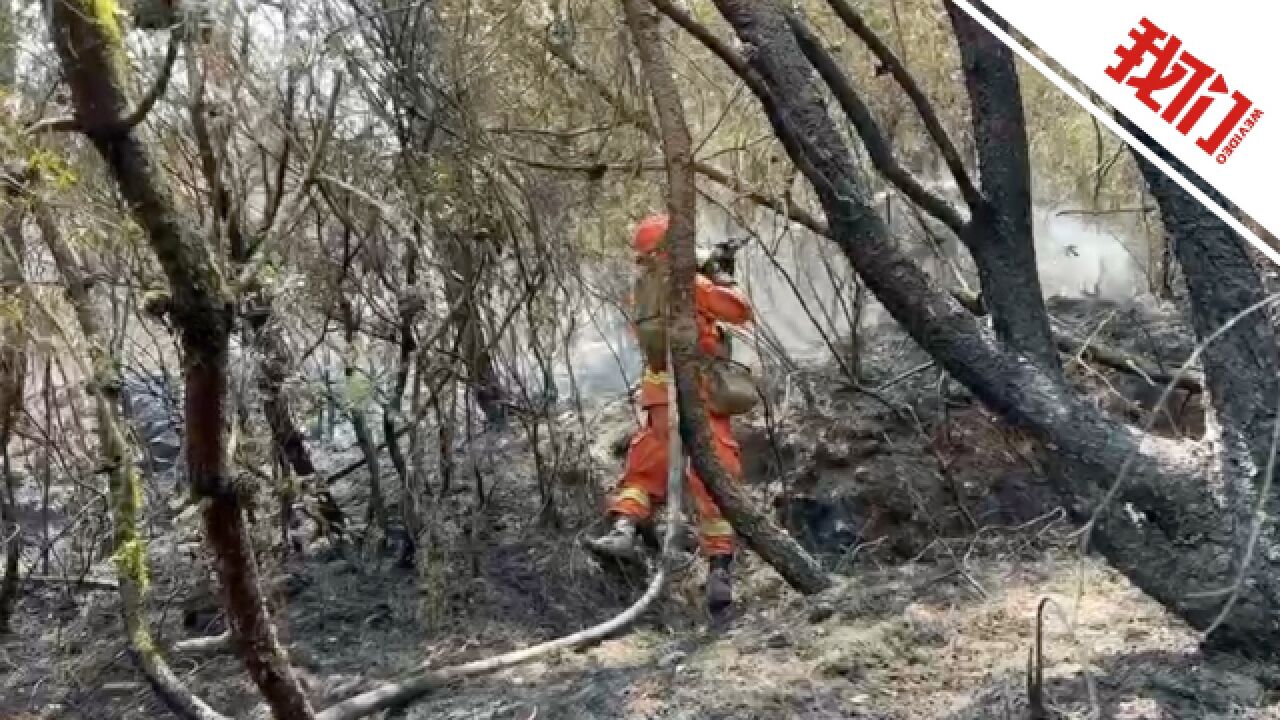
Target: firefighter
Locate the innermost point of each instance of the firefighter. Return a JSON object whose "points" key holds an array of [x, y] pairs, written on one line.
{"points": [[644, 481]]}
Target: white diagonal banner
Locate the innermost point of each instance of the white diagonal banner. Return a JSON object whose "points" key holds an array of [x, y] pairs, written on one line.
{"points": [[1196, 79]]}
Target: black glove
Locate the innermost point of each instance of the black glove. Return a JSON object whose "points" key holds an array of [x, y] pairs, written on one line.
{"points": [[719, 268]]}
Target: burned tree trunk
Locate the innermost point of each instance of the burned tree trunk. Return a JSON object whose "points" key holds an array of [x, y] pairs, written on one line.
{"points": [[765, 537], [1000, 234], [1222, 281], [462, 280], [290, 444], [1242, 385], [409, 307], [1183, 537], [90, 46], [376, 513]]}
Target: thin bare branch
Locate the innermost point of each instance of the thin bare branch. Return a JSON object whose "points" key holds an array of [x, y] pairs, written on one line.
{"points": [[928, 114], [873, 139], [134, 117]]}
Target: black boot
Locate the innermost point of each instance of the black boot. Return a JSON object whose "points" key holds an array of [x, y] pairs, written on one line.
{"points": [[720, 589]]}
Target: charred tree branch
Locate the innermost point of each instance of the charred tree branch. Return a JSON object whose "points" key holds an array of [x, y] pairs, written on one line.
{"points": [[928, 115], [1165, 479], [872, 138], [1000, 235]]}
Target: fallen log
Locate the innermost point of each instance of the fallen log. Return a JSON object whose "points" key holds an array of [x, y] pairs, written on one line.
{"points": [[1100, 353]]}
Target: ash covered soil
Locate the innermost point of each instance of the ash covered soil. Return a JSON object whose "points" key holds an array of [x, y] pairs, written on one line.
{"points": [[941, 529]]}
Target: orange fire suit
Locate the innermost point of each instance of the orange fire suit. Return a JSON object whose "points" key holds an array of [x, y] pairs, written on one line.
{"points": [[644, 480]]}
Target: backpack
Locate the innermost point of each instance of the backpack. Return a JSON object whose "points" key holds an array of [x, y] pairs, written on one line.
{"points": [[650, 313], [731, 386]]}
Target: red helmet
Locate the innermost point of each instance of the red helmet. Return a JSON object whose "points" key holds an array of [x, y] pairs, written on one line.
{"points": [[649, 234]]}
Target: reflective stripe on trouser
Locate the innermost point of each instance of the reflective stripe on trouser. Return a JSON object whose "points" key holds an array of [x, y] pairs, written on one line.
{"points": [[633, 502], [653, 389], [715, 536], [644, 481]]}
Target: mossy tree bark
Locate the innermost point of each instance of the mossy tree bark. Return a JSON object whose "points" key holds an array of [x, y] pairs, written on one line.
{"points": [[124, 484], [11, 354], [13, 361], [89, 42]]}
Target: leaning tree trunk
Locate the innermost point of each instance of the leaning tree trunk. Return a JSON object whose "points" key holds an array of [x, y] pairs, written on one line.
{"points": [[1241, 377], [90, 46], [1185, 539], [998, 232], [13, 361], [124, 484], [410, 305], [773, 544], [462, 279], [292, 454], [376, 513]]}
